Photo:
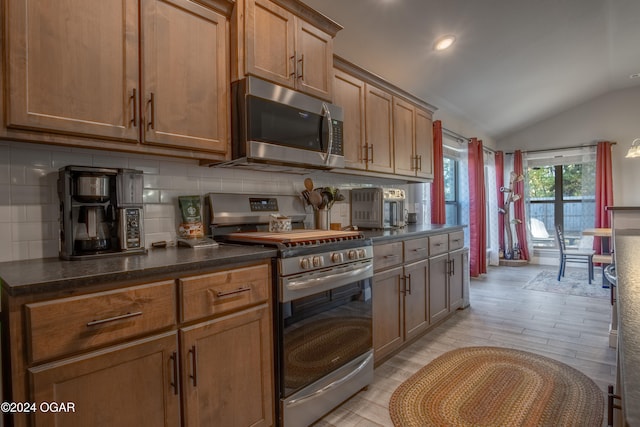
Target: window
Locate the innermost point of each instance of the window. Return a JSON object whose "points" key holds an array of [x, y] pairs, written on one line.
{"points": [[451, 190], [561, 191]]}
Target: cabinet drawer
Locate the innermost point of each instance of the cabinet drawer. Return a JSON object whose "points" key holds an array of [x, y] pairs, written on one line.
{"points": [[456, 240], [416, 249], [438, 244], [69, 325], [218, 293], [387, 255]]}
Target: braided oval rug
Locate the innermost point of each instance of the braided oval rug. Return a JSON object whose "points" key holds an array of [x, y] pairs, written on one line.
{"points": [[494, 386]]}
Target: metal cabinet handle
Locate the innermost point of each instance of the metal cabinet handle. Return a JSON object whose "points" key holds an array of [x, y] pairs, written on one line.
{"points": [[419, 249], [151, 104], [134, 98], [174, 366], [194, 366], [222, 294], [611, 405], [293, 66], [365, 154], [371, 156], [301, 62], [114, 318], [391, 256], [408, 280], [420, 162]]}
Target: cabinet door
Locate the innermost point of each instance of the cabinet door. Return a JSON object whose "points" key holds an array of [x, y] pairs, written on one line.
{"points": [[227, 370], [133, 384], [424, 143], [403, 137], [185, 75], [270, 35], [349, 94], [314, 62], [387, 312], [456, 280], [416, 299], [73, 66], [438, 287], [379, 129]]}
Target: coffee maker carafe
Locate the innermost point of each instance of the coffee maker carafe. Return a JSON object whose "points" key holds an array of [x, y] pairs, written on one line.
{"points": [[100, 212]]}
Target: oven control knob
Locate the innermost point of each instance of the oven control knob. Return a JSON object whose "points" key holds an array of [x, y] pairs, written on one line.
{"points": [[305, 263], [318, 261], [352, 254], [336, 257], [362, 253]]}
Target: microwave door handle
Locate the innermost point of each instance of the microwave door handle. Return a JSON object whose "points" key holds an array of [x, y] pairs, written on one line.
{"points": [[393, 213], [327, 114]]}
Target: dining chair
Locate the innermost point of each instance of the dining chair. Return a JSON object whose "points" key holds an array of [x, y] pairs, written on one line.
{"points": [[573, 255]]}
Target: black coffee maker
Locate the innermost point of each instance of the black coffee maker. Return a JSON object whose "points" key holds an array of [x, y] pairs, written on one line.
{"points": [[100, 212]]}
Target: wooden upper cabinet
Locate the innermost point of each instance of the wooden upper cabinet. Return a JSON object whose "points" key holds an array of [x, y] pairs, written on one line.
{"points": [[424, 143], [413, 140], [276, 44], [73, 66], [349, 94], [404, 137], [379, 129], [270, 35], [185, 77]]}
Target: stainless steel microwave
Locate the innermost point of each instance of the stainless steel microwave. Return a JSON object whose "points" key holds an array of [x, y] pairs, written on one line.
{"points": [[274, 125]]}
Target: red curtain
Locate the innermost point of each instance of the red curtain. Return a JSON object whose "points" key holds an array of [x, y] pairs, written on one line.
{"points": [[499, 184], [604, 188], [518, 207], [438, 215], [477, 212]]}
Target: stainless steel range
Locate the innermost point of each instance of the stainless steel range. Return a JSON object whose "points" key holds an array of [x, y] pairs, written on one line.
{"points": [[323, 310]]}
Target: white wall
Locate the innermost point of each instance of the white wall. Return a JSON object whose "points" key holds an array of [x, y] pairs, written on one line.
{"points": [[611, 117], [29, 205]]}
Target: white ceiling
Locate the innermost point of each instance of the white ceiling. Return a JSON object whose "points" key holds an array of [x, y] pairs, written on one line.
{"points": [[515, 62]]}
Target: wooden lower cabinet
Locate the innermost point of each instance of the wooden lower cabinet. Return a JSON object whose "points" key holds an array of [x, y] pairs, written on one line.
{"points": [[133, 384], [438, 287], [416, 299], [227, 370], [388, 310], [458, 261]]}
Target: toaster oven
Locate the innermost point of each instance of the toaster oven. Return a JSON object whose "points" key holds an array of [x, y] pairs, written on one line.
{"points": [[378, 208]]}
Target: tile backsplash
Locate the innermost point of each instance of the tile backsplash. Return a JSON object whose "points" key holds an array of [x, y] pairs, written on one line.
{"points": [[29, 206]]}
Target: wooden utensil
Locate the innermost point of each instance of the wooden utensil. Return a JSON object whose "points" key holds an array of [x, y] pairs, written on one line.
{"points": [[308, 184]]}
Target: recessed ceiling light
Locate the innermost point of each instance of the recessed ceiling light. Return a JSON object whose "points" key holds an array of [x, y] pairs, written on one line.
{"points": [[444, 42], [634, 76]]}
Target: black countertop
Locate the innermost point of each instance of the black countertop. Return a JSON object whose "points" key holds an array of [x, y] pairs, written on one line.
{"points": [[627, 244], [410, 231], [53, 274]]}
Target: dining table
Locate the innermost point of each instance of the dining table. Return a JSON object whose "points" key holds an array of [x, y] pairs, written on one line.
{"points": [[605, 256]]}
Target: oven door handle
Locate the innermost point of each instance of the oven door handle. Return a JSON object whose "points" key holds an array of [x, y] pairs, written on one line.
{"points": [[332, 385], [317, 281]]}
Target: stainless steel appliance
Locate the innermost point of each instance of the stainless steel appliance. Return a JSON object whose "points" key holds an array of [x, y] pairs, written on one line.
{"points": [[323, 306], [378, 208], [276, 127], [101, 212]]}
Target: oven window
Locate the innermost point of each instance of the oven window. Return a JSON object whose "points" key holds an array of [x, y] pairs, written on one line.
{"points": [[323, 332], [283, 125]]}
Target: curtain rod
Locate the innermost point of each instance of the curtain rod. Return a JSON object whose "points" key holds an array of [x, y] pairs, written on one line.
{"points": [[559, 148], [461, 138]]}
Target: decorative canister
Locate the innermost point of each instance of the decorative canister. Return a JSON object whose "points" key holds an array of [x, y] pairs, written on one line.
{"points": [[322, 218], [279, 224]]}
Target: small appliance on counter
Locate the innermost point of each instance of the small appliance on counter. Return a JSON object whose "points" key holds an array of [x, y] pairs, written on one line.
{"points": [[378, 208], [101, 212]]}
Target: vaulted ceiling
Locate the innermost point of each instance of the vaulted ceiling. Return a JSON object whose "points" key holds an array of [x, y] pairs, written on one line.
{"points": [[514, 63]]}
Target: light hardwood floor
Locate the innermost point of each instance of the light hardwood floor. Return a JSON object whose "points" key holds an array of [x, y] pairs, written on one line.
{"points": [[571, 329]]}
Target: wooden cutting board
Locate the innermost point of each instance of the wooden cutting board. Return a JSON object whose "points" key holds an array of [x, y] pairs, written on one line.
{"points": [[293, 236]]}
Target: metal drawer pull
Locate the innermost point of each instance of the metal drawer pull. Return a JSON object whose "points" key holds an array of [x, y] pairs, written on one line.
{"points": [[114, 318], [221, 294], [174, 365], [419, 249], [611, 405], [391, 256], [194, 365]]}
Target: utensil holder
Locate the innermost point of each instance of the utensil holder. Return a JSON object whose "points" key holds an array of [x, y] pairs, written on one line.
{"points": [[322, 219]]}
